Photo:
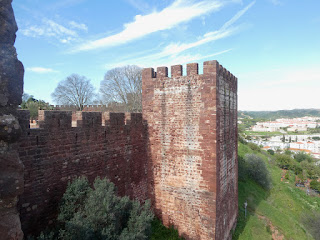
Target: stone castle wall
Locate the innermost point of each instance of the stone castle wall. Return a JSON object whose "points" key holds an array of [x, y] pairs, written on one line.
{"points": [[181, 152], [56, 153], [192, 123]]}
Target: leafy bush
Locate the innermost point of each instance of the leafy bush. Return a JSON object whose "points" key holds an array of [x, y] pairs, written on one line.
{"points": [[312, 223], [284, 161], [315, 185], [242, 168], [302, 156], [254, 147], [270, 151], [312, 170], [257, 170], [99, 213]]}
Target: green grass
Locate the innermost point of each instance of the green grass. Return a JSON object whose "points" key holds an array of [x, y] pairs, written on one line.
{"points": [[283, 206]]}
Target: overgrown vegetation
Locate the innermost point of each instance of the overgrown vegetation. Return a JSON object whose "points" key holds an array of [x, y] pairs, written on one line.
{"points": [[279, 210], [33, 105], [256, 169], [98, 213]]}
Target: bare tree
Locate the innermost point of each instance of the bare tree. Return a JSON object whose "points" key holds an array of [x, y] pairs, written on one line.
{"points": [[74, 90], [123, 85]]}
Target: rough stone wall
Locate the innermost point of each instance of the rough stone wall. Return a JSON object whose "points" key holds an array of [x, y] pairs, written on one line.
{"points": [[56, 153], [11, 84], [227, 149], [192, 148]]}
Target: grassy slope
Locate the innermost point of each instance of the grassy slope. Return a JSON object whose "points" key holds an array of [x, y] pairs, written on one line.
{"points": [[283, 206]]}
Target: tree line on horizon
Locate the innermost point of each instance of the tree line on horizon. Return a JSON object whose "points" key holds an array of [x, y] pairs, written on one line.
{"points": [[120, 89]]}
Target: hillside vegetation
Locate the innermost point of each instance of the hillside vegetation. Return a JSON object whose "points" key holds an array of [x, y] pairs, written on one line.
{"points": [[279, 213], [281, 114]]}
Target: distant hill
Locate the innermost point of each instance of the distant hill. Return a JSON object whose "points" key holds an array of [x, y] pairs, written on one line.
{"points": [[281, 113]]}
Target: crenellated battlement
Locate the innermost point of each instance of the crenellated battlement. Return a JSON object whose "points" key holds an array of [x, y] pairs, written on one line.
{"points": [[54, 120], [209, 67]]}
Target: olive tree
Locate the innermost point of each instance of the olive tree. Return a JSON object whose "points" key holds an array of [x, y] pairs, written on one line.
{"points": [[74, 90], [123, 85]]}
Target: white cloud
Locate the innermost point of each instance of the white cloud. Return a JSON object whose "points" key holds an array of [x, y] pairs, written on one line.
{"points": [[40, 70], [50, 28], [174, 49], [139, 4], [178, 12], [80, 26], [237, 16]]}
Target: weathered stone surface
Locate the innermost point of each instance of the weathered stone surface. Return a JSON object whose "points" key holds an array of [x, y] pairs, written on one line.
{"points": [[8, 25], [11, 86], [10, 227], [56, 153], [193, 148]]}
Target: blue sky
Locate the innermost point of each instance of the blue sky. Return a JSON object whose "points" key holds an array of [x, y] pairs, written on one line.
{"points": [[272, 46]]}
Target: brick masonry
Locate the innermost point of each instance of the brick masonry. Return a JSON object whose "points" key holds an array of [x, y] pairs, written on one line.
{"points": [[56, 153], [181, 152], [192, 123]]}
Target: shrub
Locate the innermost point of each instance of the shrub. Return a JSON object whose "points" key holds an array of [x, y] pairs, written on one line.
{"points": [[98, 213], [254, 147], [315, 185], [312, 170], [302, 156], [270, 151], [312, 223], [284, 161], [257, 170], [242, 168]]}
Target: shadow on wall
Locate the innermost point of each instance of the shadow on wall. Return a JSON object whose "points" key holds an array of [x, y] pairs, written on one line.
{"points": [[56, 153]]}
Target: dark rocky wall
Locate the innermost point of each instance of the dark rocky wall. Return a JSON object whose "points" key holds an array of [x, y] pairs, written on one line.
{"points": [[11, 85]]}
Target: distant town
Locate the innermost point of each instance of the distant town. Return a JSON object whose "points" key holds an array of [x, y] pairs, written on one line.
{"points": [[296, 134]]}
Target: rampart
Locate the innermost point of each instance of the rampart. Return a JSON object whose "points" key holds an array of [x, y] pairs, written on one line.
{"points": [[56, 153], [192, 123]]}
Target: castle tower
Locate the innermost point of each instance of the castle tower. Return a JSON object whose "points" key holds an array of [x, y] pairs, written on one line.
{"points": [[193, 169]]}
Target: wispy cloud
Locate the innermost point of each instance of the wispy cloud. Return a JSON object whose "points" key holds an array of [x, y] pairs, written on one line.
{"points": [[41, 70], [80, 26], [139, 4], [178, 12], [172, 60], [52, 29], [174, 49], [276, 2]]}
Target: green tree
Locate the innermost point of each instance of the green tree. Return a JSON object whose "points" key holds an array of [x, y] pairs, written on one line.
{"points": [[98, 213], [270, 151], [284, 161], [33, 105], [257, 170], [302, 156], [315, 185]]}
